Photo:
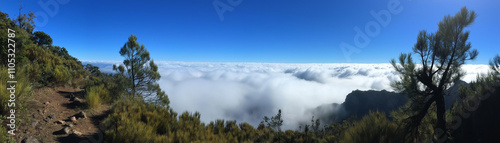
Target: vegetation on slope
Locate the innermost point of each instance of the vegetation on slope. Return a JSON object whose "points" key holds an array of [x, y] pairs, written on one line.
{"points": [[134, 118]]}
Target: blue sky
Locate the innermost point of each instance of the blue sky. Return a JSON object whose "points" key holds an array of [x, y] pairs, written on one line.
{"points": [[279, 31]]}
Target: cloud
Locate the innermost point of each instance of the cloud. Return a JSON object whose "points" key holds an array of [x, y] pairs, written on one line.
{"points": [[247, 92]]}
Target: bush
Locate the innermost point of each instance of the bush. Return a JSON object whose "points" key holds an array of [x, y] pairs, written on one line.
{"points": [[115, 85], [372, 128], [3, 133], [61, 74], [51, 68], [133, 120], [23, 88], [95, 95]]}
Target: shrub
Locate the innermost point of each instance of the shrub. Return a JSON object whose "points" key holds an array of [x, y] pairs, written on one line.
{"points": [[115, 84], [94, 95], [23, 88], [3, 133], [372, 128], [47, 67], [61, 74], [133, 120]]}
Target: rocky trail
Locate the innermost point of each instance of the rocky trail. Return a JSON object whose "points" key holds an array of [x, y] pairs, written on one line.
{"points": [[59, 114]]}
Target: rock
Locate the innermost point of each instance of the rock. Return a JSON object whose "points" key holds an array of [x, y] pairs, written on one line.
{"points": [[77, 133], [69, 125], [52, 116], [77, 102], [47, 103], [35, 116], [30, 139], [81, 115], [38, 127], [60, 122], [73, 119], [46, 119], [66, 130], [77, 99], [34, 123]]}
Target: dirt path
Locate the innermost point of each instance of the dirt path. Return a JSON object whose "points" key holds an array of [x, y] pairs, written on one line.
{"points": [[48, 106]]}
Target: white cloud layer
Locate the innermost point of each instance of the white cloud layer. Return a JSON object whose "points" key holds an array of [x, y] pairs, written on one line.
{"points": [[247, 92]]}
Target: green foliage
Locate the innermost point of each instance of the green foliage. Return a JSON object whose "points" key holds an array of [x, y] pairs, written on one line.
{"points": [[373, 128], [22, 39], [495, 67], [94, 70], [141, 71], [61, 74], [441, 56], [41, 38], [475, 116], [425, 129], [5, 23], [26, 22], [95, 95], [134, 120], [47, 64], [315, 124], [23, 90], [3, 134], [22, 87], [52, 66], [115, 84], [274, 122]]}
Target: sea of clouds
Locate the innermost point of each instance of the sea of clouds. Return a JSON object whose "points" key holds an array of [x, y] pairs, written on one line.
{"points": [[247, 92]]}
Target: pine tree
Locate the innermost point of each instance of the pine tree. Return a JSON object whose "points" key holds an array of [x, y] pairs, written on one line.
{"points": [[441, 56], [495, 66], [275, 122], [141, 71], [41, 38]]}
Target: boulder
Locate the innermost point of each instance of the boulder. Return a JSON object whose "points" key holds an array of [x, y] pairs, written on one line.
{"points": [[68, 125], [81, 115], [77, 102], [73, 119], [66, 130], [77, 133], [60, 122]]}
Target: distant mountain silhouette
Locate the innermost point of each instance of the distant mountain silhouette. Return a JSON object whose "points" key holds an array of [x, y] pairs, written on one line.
{"points": [[360, 103]]}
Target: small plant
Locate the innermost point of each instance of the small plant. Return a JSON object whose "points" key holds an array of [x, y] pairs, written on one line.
{"points": [[95, 94]]}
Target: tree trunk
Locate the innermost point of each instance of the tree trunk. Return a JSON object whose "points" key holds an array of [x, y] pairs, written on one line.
{"points": [[440, 130], [133, 79]]}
